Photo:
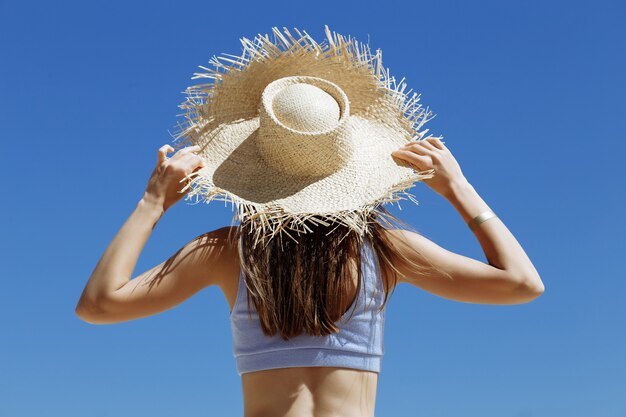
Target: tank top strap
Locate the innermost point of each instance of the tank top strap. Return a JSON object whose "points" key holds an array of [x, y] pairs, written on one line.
{"points": [[371, 271]]}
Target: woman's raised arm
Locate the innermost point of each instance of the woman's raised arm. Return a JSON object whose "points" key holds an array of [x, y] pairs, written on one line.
{"points": [[110, 295], [508, 278]]}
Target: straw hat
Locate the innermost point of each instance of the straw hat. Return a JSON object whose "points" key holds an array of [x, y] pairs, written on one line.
{"points": [[295, 132]]}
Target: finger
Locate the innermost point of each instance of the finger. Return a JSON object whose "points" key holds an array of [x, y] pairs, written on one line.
{"points": [[422, 162], [190, 163], [163, 151], [191, 160], [437, 142], [187, 150], [428, 145], [418, 148]]}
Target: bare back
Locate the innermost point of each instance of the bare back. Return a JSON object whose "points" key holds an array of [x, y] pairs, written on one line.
{"points": [[304, 391]]}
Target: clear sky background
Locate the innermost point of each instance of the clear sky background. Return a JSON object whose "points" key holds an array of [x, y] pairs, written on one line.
{"points": [[529, 96]]}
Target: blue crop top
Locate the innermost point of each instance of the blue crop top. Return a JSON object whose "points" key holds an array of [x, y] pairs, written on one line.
{"points": [[358, 344]]}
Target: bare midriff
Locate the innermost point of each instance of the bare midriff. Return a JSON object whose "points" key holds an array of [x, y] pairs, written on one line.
{"points": [[309, 391]]}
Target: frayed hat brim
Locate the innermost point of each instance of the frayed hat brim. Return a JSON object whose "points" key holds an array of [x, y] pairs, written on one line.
{"points": [[222, 118]]}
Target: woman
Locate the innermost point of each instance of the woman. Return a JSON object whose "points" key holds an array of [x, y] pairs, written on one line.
{"points": [[221, 256]]}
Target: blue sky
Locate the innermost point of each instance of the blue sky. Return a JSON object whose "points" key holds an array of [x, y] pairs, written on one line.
{"points": [[529, 96]]}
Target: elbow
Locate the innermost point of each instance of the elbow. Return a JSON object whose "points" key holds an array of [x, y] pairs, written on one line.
{"points": [[531, 288], [534, 285], [82, 314], [89, 312]]}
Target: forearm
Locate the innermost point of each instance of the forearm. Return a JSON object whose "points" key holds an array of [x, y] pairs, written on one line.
{"points": [[115, 267], [498, 243]]}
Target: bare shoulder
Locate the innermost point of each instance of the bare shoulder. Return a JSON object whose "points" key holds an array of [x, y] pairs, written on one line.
{"points": [[408, 245], [220, 254], [211, 257]]}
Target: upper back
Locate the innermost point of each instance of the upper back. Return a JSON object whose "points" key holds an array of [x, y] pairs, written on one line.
{"points": [[298, 391], [358, 344]]}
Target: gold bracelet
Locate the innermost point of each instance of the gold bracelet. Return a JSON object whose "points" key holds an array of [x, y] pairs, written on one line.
{"points": [[486, 215]]}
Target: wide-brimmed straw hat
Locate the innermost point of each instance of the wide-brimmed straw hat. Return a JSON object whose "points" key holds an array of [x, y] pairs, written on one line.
{"points": [[296, 133]]}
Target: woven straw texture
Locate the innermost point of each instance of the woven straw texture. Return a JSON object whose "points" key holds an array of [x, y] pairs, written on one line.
{"points": [[295, 132]]}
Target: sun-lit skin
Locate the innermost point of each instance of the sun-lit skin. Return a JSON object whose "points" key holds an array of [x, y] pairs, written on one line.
{"points": [[112, 295]]}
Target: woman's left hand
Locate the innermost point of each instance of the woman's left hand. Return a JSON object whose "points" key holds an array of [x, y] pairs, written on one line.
{"points": [[164, 186], [431, 153]]}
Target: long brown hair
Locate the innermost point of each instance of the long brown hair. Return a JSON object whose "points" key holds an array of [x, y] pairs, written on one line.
{"points": [[300, 285]]}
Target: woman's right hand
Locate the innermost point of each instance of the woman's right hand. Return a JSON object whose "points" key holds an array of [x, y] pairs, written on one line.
{"points": [[164, 186], [431, 153]]}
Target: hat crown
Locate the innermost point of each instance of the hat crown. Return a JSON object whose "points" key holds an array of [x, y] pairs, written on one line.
{"points": [[301, 126], [306, 108]]}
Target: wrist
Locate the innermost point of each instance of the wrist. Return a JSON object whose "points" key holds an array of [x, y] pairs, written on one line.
{"points": [[457, 188], [466, 201], [152, 205]]}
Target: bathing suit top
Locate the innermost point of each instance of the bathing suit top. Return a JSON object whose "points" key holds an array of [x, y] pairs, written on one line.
{"points": [[358, 344]]}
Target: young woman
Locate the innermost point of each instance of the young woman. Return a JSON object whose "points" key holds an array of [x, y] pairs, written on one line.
{"points": [[304, 295]]}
